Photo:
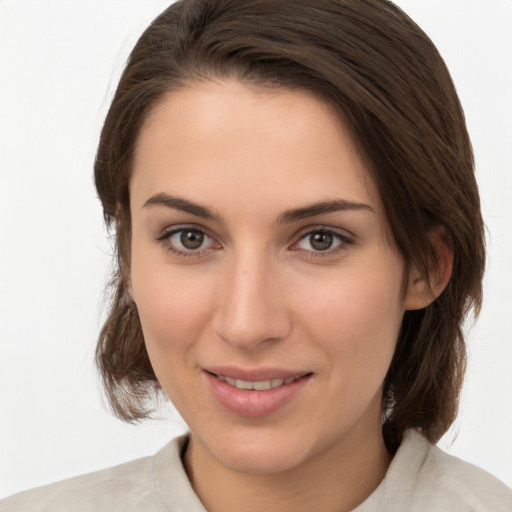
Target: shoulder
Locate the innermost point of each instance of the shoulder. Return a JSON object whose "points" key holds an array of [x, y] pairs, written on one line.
{"points": [[465, 483], [132, 486], [427, 478]]}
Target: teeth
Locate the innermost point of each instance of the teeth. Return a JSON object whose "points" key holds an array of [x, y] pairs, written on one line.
{"points": [[261, 385], [243, 384], [230, 381]]}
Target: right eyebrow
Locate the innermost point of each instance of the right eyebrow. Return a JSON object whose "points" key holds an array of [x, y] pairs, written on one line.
{"points": [[183, 205]]}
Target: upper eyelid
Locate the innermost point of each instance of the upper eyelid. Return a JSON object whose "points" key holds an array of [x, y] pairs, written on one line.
{"points": [[303, 232], [166, 233], [171, 230]]}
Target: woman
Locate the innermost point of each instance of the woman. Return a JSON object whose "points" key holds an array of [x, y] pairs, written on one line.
{"points": [[299, 240]]}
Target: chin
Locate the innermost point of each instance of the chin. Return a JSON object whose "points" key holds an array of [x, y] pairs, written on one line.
{"points": [[260, 461], [267, 450]]}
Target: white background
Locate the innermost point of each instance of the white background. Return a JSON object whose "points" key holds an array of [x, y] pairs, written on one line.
{"points": [[59, 63]]}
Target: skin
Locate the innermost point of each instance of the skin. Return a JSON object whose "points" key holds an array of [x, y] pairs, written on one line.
{"points": [[258, 293]]}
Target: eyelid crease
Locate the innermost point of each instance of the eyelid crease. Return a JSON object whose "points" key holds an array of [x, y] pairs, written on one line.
{"points": [[323, 228], [167, 232], [336, 234]]}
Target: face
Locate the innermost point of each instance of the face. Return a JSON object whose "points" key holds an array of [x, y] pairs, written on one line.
{"points": [[268, 287]]}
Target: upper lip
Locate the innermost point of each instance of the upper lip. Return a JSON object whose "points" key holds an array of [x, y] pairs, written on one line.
{"points": [[255, 374]]}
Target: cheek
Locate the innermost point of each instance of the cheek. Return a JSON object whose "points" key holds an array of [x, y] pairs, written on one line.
{"points": [[173, 313], [173, 309], [356, 319]]}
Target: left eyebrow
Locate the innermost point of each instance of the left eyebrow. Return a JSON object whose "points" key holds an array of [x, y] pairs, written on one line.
{"points": [[322, 208]]}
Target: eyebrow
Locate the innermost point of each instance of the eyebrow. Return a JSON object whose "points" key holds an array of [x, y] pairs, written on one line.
{"points": [[322, 208], [183, 205], [312, 210]]}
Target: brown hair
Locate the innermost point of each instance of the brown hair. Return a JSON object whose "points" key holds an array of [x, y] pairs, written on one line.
{"points": [[392, 88]]}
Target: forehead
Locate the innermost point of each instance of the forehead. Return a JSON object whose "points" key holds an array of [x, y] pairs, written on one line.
{"points": [[215, 138]]}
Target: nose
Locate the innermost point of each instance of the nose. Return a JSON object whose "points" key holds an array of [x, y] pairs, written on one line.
{"points": [[251, 308]]}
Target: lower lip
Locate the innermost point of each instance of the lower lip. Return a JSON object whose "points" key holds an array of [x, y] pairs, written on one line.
{"points": [[253, 403]]}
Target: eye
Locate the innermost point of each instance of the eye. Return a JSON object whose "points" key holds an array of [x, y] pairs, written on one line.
{"points": [[187, 241], [323, 240]]}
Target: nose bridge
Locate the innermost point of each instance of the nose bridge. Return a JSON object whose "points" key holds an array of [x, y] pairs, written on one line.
{"points": [[251, 310]]}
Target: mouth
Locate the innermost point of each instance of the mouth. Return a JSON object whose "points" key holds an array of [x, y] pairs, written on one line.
{"points": [[259, 385], [255, 393]]}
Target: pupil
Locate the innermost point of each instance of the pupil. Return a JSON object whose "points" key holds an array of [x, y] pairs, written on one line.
{"points": [[321, 241], [191, 239]]}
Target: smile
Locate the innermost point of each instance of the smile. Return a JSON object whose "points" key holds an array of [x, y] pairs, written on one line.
{"points": [[261, 385], [255, 394]]}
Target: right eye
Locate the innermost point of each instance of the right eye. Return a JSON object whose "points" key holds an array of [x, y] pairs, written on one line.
{"points": [[187, 241]]}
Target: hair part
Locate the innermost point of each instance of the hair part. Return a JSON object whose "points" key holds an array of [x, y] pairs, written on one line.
{"points": [[390, 86]]}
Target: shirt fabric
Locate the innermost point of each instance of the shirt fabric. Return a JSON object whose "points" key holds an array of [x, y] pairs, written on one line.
{"points": [[421, 478]]}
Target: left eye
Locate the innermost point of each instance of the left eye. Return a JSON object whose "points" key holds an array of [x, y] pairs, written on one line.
{"points": [[321, 240], [189, 240]]}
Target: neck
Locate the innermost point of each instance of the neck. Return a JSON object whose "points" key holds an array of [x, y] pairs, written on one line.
{"points": [[336, 480]]}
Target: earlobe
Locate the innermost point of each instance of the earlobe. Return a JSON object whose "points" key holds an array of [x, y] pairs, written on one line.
{"points": [[423, 290]]}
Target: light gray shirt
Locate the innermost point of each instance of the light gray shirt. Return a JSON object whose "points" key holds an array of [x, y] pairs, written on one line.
{"points": [[421, 478]]}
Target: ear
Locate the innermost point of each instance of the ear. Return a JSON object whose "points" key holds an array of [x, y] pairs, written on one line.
{"points": [[422, 291]]}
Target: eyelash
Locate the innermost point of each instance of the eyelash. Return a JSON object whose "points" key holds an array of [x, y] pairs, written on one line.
{"points": [[343, 239], [165, 240]]}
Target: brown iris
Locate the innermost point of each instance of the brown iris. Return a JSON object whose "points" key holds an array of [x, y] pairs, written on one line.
{"points": [[321, 241], [192, 239]]}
